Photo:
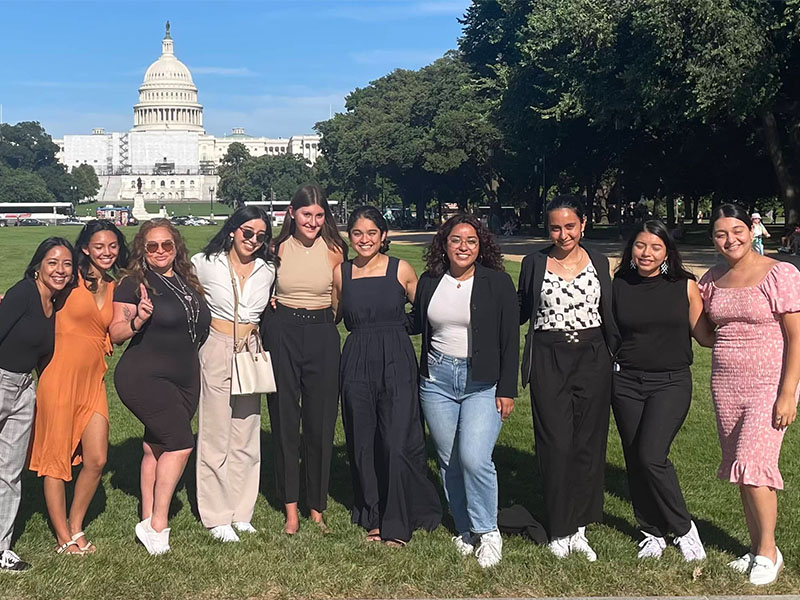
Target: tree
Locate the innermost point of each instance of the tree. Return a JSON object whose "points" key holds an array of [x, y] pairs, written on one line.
{"points": [[26, 145], [20, 185], [84, 178], [234, 188]]}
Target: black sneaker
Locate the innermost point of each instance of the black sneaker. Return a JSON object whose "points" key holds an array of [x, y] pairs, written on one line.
{"points": [[9, 561]]}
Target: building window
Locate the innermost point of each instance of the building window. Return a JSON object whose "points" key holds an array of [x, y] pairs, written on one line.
{"points": [[183, 183], [172, 183], [133, 184], [152, 183], [163, 183]]}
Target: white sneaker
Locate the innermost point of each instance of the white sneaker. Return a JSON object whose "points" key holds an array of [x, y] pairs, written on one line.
{"points": [[154, 542], [765, 571], [579, 543], [743, 563], [560, 546], [224, 533], [651, 546], [490, 551], [244, 527], [465, 543], [690, 545]]}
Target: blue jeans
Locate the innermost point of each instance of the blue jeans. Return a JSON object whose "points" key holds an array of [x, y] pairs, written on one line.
{"points": [[464, 423]]}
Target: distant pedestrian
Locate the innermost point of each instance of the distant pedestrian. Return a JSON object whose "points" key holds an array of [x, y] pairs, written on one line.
{"points": [[759, 232], [27, 340], [657, 306], [755, 369]]}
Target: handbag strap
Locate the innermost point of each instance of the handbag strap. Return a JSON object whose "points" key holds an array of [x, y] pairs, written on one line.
{"points": [[235, 302]]}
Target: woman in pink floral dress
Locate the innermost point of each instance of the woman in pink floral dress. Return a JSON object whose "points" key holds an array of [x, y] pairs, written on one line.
{"points": [[755, 303]]}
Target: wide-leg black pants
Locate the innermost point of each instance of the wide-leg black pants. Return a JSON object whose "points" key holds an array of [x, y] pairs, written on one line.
{"points": [[571, 395], [304, 347], [650, 409]]}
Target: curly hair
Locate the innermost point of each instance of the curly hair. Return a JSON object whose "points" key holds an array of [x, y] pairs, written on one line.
{"points": [[181, 265], [84, 263], [489, 255]]}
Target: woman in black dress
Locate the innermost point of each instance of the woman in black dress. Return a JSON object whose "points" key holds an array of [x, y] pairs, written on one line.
{"points": [[159, 303], [380, 406]]}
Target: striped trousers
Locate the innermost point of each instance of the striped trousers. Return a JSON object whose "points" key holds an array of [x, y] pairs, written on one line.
{"points": [[17, 401]]}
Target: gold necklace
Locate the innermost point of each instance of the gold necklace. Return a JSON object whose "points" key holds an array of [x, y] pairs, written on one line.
{"points": [[569, 269]]}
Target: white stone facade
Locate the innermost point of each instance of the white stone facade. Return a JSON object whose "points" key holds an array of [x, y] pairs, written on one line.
{"points": [[168, 137]]}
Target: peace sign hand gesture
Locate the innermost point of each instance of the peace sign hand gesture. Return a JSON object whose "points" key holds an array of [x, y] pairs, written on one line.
{"points": [[144, 310]]}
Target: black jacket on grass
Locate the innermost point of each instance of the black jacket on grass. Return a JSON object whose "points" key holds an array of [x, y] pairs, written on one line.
{"points": [[531, 277], [494, 320]]}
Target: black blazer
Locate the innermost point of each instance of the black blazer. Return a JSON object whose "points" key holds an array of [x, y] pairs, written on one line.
{"points": [[531, 276], [494, 318]]}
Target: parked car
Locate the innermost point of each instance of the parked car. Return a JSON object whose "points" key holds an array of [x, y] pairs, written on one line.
{"points": [[71, 221], [31, 223], [181, 220]]}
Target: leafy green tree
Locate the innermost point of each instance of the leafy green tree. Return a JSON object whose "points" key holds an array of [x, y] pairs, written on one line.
{"points": [[26, 145], [23, 186], [84, 178]]}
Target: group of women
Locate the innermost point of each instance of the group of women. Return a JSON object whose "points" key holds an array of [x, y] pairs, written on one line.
{"points": [[592, 345]]}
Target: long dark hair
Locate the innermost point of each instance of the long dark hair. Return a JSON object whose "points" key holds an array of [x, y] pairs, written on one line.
{"points": [[306, 196], [733, 211], [569, 202], [489, 255], [31, 271], [84, 263], [222, 241], [675, 269], [374, 215], [137, 263]]}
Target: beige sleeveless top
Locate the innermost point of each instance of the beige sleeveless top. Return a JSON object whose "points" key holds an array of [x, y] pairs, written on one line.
{"points": [[305, 276]]}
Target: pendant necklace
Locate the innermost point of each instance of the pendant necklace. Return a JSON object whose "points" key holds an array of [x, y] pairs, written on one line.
{"points": [[190, 304]]}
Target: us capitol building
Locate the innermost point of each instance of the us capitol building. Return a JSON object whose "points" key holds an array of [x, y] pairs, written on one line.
{"points": [[167, 147]]}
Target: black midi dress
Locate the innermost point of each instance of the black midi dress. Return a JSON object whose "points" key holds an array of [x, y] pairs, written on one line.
{"points": [[380, 410]]}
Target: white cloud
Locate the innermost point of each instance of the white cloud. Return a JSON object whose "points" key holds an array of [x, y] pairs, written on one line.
{"points": [[223, 71], [396, 58]]}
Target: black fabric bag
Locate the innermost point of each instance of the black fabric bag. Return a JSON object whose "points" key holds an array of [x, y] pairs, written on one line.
{"points": [[516, 520]]}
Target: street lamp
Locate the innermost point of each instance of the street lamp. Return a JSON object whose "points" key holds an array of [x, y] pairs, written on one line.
{"points": [[211, 198]]}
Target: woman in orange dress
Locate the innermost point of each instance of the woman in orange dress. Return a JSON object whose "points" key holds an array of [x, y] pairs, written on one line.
{"points": [[71, 423]]}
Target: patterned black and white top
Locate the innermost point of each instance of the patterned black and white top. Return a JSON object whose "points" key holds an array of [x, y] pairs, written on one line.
{"points": [[569, 305]]}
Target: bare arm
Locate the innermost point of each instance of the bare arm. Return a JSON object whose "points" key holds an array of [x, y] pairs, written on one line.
{"points": [[785, 409], [336, 291], [130, 318], [408, 279], [700, 325], [336, 259]]}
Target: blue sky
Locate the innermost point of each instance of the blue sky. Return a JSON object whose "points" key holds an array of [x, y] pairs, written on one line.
{"points": [[273, 67]]}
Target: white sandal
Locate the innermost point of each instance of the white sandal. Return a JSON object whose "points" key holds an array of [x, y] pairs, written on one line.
{"points": [[88, 548], [62, 549]]}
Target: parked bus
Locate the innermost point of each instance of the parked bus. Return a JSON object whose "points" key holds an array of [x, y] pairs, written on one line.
{"points": [[49, 212]]}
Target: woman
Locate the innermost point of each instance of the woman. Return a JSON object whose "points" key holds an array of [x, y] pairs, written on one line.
{"points": [[159, 304], [378, 378], [467, 312], [27, 339], [229, 429], [657, 306], [71, 423], [754, 301], [759, 232], [565, 292], [304, 345]]}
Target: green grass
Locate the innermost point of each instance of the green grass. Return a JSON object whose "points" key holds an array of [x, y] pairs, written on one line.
{"points": [[178, 209], [311, 565]]}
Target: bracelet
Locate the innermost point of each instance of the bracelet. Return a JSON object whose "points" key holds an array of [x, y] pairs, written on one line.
{"points": [[133, 327]]}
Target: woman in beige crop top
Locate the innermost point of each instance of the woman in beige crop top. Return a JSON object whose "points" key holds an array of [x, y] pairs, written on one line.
{"points": [[304, 343]]}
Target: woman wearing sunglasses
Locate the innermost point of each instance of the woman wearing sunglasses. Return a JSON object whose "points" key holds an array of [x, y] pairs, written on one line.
{"points": [[229, 430], [467, 311], [159, 304]]}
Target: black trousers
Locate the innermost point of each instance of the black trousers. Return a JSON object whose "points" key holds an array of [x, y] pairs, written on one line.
{"points": [[571, 394], [650, 409], [304, 347]]}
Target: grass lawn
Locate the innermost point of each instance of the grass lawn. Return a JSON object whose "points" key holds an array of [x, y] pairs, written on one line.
{"points": [[311, 565], [178, 209]]}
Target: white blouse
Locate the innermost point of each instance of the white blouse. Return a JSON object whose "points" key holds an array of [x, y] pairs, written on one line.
{"points": [[569, 305], [215, 278], [449, 316]]}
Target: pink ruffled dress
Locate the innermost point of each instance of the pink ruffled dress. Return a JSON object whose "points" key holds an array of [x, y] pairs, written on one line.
{"points": [[746, 369]]}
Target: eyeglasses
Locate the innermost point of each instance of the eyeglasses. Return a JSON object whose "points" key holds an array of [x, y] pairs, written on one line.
{"points": [[248, 233], [166, 246], [455, 242]]}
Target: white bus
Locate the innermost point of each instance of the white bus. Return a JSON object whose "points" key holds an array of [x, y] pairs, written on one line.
{"points": [[50, 212]]}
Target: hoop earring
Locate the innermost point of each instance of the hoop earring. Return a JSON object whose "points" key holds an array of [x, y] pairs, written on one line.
{"points": [[664, 268]]}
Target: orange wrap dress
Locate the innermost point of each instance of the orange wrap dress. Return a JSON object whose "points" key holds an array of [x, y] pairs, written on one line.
{"points": [[72, 388]]}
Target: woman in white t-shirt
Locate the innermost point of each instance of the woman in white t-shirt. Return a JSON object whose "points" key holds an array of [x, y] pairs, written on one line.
{"points": [[229, 431]]}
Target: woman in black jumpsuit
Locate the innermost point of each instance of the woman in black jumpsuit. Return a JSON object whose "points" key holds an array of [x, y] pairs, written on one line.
{"points": [[380, 406]]}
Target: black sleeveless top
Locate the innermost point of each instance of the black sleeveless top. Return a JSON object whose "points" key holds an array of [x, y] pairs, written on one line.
{"points": [[653, 318], [371, 302]]}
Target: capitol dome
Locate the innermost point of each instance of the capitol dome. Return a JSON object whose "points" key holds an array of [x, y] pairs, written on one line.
{"points": [[168, 96]]}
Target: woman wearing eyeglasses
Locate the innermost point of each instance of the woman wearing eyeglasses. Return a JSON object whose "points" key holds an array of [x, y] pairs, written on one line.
{"points": [[229, 428], [466, 309], [159, 304]]}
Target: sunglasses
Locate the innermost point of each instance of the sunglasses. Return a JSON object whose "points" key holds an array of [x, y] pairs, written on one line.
{"points": [[248, 233], [166, 246]]}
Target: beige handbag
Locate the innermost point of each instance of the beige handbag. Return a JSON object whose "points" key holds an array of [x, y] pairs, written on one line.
{"points": [[251, 371]]}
